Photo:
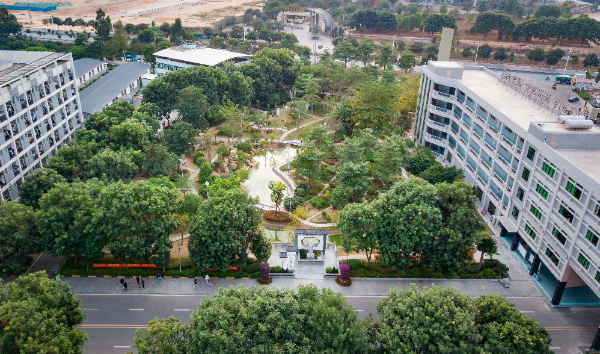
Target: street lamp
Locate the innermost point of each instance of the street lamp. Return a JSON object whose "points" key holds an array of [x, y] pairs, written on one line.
{"points": [[206, 184]]}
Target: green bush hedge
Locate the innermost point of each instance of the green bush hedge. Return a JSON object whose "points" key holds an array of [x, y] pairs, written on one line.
{"points": [[319, 202]]}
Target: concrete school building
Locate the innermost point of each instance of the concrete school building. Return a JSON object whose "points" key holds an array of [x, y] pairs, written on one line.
{"points": [[188, 55], [39, 111], [535, 165]]}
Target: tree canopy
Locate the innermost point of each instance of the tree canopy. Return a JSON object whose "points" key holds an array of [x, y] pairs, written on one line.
{"points": [[224, 228], [18, 236], [40, 315]]}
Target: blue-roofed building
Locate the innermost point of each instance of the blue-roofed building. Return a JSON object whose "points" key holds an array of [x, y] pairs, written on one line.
{"points": [[125, 79]]}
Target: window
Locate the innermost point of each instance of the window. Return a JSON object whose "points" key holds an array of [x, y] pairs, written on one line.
{"points": [[559, 235], [515, 213], [598, 276], [572, 188], [549, 169], [531, 153], [525, 174], [536, 212], [591, 236], [552, 257], [562, 210], [583, 261], [542, 191], [530, 231], [520, 193]]}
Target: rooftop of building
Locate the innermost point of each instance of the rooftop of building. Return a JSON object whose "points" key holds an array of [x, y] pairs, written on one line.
{"points": [[24, 67], [586, 160], [195, 55], [84, 65], [519, 109], [102, 92]]}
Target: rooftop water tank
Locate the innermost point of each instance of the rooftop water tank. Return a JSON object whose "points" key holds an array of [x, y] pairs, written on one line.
{"points": [[562, 119], [578, 124]]}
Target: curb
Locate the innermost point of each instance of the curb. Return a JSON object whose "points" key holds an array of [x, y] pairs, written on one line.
{"points": [[147, 277]]}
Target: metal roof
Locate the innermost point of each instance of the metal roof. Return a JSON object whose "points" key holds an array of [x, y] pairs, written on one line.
{"points": [[84, 65], [100, 94], [199, 56], [11, 74]]}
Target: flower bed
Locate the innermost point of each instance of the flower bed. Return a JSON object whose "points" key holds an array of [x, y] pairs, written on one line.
{"points": [[277, 216]]}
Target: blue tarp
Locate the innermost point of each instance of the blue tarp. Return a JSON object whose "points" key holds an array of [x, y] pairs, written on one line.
{"points": [[25, 8]]}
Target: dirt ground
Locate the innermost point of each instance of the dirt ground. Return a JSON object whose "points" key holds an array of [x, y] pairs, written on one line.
{"points": [[193, 13]]}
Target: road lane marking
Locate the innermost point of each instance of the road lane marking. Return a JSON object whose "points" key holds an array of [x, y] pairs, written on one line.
{"points": [[91, 309], [360, 310], [136, 309], [527, 311], [181, 309], [122, 346], [572, 328], [554, 348]]}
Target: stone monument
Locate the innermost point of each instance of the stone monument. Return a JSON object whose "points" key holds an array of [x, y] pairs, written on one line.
{"points": [[310, 254]]}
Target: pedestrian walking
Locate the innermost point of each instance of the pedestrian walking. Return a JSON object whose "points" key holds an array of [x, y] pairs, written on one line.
{"points": [[143, 287], [207, 278], [122, 281], [195, 283], [138, 280], [124, 286], [159, 276]]}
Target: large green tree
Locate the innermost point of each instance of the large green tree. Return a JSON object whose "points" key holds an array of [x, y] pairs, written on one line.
{"points": [[163, 336], [438, 223], [436, 22], [308, 161], [112, 165], [64, 221], [277, 188], [136, 220], [436, 320], [181, 138], [38, 183], [40, 315], [18, 237], [344, 51], [357, 222], [263, 320], [386, 57], [505, 330], [102, 25], [70, 160], [193, 107], [8, 23], [226, 225], [157, 161]]}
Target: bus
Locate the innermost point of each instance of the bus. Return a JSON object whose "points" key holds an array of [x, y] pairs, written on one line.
{"points": [[563, 79]]}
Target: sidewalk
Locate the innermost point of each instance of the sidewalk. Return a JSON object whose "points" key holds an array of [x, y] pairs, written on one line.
{"points": [[360, 286]]}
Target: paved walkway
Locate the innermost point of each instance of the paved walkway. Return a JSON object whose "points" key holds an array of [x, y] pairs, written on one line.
{"points": [[360, 286]]}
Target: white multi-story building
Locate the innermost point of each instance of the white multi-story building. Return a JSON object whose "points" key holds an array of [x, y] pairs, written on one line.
{"points": [[39, 111], [536, 173]]}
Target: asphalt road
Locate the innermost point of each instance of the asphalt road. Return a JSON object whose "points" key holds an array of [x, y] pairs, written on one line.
{"points": [[113, 319]]}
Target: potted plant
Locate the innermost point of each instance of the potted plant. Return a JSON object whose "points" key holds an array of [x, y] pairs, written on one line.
{"points": [[344, 278]]}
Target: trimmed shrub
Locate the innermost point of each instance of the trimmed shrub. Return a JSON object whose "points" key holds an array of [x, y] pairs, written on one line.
{"points": [[245, 145], [301, 212], [344, 272], [265, 274], [277, 216], [331, 270]]}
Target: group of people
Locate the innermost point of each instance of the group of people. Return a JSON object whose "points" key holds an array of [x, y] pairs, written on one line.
{"points": [[142, 284]]}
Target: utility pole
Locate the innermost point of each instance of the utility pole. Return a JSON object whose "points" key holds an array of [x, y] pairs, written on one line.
{"points": [[568, 57]]}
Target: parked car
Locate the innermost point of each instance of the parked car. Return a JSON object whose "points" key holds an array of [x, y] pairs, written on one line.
{"points": [[573, 99]]}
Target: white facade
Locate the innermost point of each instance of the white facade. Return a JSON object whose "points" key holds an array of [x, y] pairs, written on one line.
{"points": [[90, 75], [39, 111], [539, 180], [188, 55]]}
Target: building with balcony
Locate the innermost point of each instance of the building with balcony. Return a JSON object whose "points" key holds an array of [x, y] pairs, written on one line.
{"points": [[40, 110], [535, 165]]}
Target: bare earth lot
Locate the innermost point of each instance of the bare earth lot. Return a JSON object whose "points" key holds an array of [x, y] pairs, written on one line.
{"points": [[193, 13]]}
